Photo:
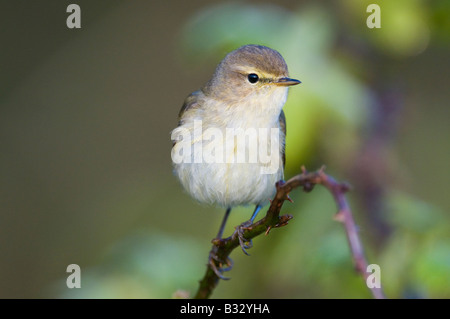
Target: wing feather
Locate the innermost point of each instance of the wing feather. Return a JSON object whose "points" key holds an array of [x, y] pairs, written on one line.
{"points": [[282, 121]]}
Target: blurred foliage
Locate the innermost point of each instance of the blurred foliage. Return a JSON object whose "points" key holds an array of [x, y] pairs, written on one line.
{"points": [[312, 260], [329, 118], [405, 27], [143, 265]]}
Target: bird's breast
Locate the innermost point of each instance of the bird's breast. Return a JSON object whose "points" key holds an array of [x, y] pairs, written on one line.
{"points": [[233, 154]]}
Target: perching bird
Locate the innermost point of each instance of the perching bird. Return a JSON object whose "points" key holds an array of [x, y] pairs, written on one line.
{"points": [[229, 146]]}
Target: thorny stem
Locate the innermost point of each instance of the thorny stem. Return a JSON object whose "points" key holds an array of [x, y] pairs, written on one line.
{"points": [[307, 180]]}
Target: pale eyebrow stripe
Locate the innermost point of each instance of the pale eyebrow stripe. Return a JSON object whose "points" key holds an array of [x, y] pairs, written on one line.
{"points": [[246, 71]]}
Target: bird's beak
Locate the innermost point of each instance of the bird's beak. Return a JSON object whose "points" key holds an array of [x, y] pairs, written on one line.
{"points": [[286, 82]]}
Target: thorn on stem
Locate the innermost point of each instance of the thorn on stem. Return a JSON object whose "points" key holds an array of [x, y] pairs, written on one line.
{"points": [[340, 216], [283, 220], [289, 199]]}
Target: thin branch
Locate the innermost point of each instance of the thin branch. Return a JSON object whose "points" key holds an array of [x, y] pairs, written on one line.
{"points": [[307, 180]]}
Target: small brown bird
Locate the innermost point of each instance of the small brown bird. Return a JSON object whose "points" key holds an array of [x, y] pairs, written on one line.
{"points": [[229, 146]]}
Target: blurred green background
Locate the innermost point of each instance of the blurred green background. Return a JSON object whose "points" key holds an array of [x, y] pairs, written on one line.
{"points": [[85, 120]]}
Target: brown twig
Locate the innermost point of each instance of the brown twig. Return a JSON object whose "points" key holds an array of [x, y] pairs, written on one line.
{"points": [[307, 180]]}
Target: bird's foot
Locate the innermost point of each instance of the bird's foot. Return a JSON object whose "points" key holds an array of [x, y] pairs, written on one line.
{"points": [[217, 264], [243, 242]]}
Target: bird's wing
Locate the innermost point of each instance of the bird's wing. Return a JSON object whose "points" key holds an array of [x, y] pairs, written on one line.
{"points": [[190, 102], [282, 121]]}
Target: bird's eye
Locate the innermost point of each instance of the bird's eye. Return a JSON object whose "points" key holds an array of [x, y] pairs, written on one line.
{"points": [[253, 78]]}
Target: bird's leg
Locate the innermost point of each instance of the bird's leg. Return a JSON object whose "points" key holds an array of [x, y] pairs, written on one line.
{"points": [[224, 222], [246, 243], [214, 261]]}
